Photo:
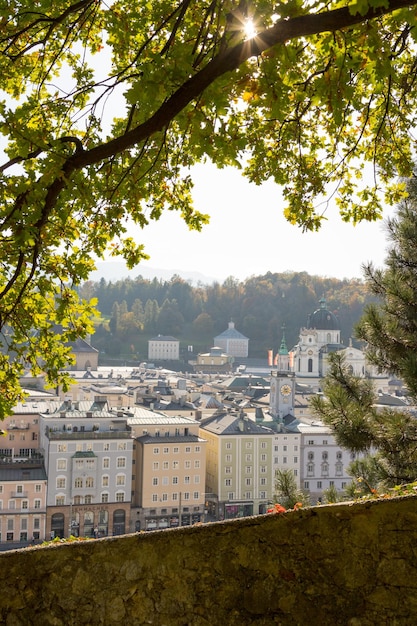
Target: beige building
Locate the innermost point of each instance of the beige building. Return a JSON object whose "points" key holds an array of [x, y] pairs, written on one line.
{"points": [[169, 470], [214, 361], [239, 475], [163, 348], [23, 488]]}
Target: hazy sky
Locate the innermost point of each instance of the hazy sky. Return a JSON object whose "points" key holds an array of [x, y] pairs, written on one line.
{"points": [[248, 235]]}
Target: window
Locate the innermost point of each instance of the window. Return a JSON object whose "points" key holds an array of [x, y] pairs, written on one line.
{"points": [[197, 464], [228, 482], [186, 480], [175, 480], [343, 485], [228, 469], [338, 456], [104, 497], [310, 456], [248, 482], [164, 497], [37, 504], [121, 461], [61, 464], [264, 468], [38, 488], [248, 495], [12, 504], [25, 504], [154, 481], [339, 469], [60, 500], [187, 464], [187, 449], [325, 442], [176, 450], [319, 484], [248, 458], [311, 442], [89, 482], [228, 458], [295, 448], [295, 472], [78, 500], [324, 469], [88, 499], [122, 445], [196, 479], [284, 448], [165, 450], [263, 481], [262, 494], [106, 447], [296, 459], [197, 449], [19, 488], [120, 496], [60, 483], [154, 497], [175, 496], [62, 447], [120, 479], [36, 523], [228, 446], [165, 465], [310, 469], [248, 469], [196, 495], [263, 457], [175, 464], [79, 464], [325, 456], [306, 484], [106, 462], [104, 481], [186, 495], [156, 450], [165, 480], [78, 483], [263, 445], [90, 463], [155, 465]]}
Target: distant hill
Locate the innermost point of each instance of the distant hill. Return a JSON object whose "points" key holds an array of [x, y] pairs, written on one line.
{"points": [[113, 271]]}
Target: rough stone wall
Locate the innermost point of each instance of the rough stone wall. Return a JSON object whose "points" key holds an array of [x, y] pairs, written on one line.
{"points": [[345, 564]]}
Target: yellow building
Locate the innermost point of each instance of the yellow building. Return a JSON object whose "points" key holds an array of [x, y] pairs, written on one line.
{"points": [[239, 466]]}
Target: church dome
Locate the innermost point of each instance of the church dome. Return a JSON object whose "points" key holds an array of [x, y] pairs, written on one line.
{"points": [[323, 319]]}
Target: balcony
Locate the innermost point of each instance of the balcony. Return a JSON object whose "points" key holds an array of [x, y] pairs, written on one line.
{"points": [[87, 434]]}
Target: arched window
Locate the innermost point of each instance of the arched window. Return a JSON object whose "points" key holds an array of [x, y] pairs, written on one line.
{"points": [[310, 365], [88, 524], [78, 483], [119, 522], [57, 525]]}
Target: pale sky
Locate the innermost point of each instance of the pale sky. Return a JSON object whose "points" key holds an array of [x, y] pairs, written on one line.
{"points": [[248, 235]]}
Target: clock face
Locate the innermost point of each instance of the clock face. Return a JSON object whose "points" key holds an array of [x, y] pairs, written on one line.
{"points": [[286, 390]]}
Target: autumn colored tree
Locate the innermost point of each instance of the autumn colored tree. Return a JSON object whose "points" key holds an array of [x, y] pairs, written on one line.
{"points": [[107, 106]]}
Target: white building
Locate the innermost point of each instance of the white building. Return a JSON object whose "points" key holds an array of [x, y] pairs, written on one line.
{"points": [[163, 348], [233, 342], [323, 463], [88, 460]]}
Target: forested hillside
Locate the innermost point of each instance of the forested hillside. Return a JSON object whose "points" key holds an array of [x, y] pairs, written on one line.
{"points": [[132, 311]]}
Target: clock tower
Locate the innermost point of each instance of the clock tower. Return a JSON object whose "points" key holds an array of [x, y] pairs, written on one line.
{"points": [[282, 394]]}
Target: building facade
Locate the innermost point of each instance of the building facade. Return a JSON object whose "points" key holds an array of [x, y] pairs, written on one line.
{"points": [[163, 348], [169, 467], [88, 459], [232, 342], [240, 474]]}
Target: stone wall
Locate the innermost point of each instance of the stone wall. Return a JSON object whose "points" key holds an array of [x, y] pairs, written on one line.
{"points": [[353, 565]]}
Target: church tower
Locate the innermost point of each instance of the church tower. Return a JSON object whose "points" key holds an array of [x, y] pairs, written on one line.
{"points": [[282, 384]]}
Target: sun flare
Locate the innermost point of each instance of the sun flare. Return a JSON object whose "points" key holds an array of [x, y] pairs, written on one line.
{"points": [[250, 29]]}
